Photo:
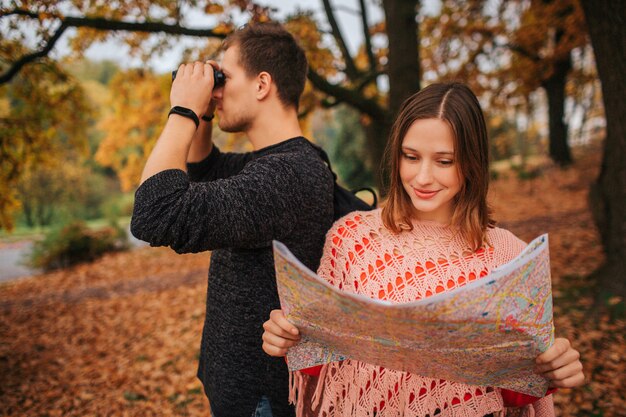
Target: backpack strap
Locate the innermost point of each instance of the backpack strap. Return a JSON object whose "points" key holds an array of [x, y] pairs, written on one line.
{"points": [[371, 191], [324, 156]]}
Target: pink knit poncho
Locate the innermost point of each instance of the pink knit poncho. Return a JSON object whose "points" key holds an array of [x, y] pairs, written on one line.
{"points": [[363, 257]]}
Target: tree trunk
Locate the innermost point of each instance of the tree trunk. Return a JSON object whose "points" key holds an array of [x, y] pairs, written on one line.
{"points": [[403, 71], [376, 134], [605, 20], [555, 91], [28, 214], [403, 68]]}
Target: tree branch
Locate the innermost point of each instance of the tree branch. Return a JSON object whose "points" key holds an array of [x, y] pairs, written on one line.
{"points": [[368, 78], [351, 97], [351, 70], [149, 27], [366, 35], [519, 49], [17, 65], [327, 104], [98, 23]]}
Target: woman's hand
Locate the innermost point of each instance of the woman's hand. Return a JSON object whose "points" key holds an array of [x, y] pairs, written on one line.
{"points": [[279, 334], [561, 365]]}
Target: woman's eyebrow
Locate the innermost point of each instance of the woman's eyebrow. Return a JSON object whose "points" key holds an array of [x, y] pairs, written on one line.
{"points": [[407, 148]]}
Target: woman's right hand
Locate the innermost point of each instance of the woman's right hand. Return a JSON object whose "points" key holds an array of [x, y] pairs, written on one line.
{"points": [[279, 334]]}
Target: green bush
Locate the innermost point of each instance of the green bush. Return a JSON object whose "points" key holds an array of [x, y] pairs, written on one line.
{"points": [[75, 243], [119, 205]]}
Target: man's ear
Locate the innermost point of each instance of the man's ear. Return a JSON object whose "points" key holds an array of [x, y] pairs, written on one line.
{"points": [[264, 85]]}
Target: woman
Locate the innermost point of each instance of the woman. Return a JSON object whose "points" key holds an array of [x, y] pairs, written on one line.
{"points": [[434, 233]]}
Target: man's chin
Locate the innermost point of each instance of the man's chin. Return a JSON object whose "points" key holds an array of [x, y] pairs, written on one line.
{"points": [[231, 128]]}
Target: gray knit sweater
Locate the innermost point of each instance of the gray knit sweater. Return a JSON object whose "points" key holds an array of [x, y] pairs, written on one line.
{"points": [[235, 205]]}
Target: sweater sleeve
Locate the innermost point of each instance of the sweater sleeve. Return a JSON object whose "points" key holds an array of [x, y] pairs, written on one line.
{"points": [[218, 165], [517, 399], [246, 210]]}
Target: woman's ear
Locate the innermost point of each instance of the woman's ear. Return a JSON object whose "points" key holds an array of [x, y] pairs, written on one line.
{"points": [[264, 84]]}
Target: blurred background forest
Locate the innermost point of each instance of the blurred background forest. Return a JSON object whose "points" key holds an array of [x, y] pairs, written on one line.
{"points": [[76, 129]]}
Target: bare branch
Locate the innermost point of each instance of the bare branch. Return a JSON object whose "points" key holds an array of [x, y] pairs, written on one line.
{"points": [[17, 66], [19, 12], [329, 104], [368, 78], [518, 49], [367, 36], [97, 23], [149, 27], [350, 70], [351, 97]]}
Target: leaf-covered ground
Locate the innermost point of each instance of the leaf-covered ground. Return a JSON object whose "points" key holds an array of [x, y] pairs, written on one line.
{"points": [[120, 336]]}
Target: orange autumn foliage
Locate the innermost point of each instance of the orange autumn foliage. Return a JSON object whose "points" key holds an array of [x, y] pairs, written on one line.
{"points": [[121, 336], [139, 105]]}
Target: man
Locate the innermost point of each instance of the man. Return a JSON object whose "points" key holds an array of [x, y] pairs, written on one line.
{"points": [[193, 198]]}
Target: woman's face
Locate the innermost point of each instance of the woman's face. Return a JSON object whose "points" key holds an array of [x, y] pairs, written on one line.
{"points": [[429, 171]]}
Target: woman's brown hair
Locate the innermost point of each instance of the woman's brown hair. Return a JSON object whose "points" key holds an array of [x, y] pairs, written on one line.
{"points": [[457, 105]]}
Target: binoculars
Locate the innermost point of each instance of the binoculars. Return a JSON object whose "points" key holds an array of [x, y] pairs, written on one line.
{"points": [[218, 77]]}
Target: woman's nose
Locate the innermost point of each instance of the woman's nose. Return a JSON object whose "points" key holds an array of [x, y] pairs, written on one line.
{"points": [[424, 173]]}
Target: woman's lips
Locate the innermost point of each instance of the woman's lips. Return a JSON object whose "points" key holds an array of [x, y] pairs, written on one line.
{"points": [[425, 194]]}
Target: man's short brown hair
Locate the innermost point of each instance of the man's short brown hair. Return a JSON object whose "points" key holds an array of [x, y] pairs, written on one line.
{"points": [[269, 47]]}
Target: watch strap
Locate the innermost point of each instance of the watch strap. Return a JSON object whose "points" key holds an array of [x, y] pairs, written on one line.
{"points": [[208, 118], [185, 112]]}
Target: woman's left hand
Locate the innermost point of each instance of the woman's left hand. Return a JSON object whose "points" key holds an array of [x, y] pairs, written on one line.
{"points": [[561, 365]]}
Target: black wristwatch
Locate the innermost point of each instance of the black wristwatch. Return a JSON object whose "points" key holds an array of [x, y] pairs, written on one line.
{"points": [[208, 118], [185, 112]]}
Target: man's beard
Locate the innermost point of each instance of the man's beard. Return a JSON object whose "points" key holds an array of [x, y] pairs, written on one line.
{"points": [[240, 124]]}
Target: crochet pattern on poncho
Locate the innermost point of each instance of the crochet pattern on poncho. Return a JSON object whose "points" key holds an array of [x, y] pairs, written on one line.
{"points": [[362, 256]]}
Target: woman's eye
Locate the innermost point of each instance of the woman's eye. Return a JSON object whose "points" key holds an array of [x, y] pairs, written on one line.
{"points": [[409, 157], [446, 162]]}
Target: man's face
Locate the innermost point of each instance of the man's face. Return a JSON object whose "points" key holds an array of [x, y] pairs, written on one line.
{"points": [[235, 101]]}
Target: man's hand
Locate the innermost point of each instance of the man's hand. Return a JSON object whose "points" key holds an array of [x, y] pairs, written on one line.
{"points": [[193, 87], [212, 103], [279, 334], [561, 364]]}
